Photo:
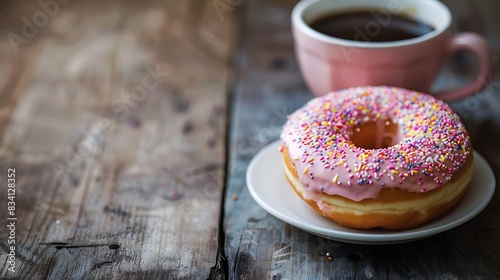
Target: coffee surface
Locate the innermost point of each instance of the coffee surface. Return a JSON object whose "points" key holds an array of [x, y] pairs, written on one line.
{"points": [[370, 26]]}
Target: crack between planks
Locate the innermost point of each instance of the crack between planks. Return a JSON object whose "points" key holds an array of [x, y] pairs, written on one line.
{"points": [[221, 268]]}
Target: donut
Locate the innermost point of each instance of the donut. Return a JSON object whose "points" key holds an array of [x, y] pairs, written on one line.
{"points": [[377, 157]]}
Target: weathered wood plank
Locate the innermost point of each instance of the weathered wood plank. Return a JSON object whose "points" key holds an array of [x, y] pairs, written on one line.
{"points": [[114, 118], [269, 86]]}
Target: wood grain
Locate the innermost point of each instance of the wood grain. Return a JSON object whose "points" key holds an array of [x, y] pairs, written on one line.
{"points": [[114, 117], [269, 86]]}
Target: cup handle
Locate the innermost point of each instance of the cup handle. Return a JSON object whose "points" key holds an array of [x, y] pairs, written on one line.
{"points": [[476, 44]]}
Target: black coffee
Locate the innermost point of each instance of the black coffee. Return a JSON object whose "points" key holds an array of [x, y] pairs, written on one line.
{"points": [[371, 26]]}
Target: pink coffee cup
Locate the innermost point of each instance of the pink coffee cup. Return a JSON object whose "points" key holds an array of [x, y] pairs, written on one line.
{"points": [[328, 63]]}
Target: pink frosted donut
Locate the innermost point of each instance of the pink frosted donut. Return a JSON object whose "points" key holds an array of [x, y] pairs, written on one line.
{"points": [[377, 156]]}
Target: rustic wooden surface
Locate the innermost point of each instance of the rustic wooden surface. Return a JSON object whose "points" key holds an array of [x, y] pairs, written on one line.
{"points": [[114, 182], [114, 116], [269, 86]]}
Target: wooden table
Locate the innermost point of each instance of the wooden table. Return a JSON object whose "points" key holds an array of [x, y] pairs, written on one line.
{"points": [[130, 126]]}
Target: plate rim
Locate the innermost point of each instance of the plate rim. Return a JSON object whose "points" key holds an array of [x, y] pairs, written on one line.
{"points": [[381, 238]]}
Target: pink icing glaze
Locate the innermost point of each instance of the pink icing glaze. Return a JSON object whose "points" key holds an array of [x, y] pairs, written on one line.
{"points": [[432, 144]]}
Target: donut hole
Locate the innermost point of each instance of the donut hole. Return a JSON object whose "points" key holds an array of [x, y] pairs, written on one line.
{"points": [[378, 134]]}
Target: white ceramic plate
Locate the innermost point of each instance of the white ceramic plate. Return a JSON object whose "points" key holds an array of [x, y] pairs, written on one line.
{"points": [[268, 186]]}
